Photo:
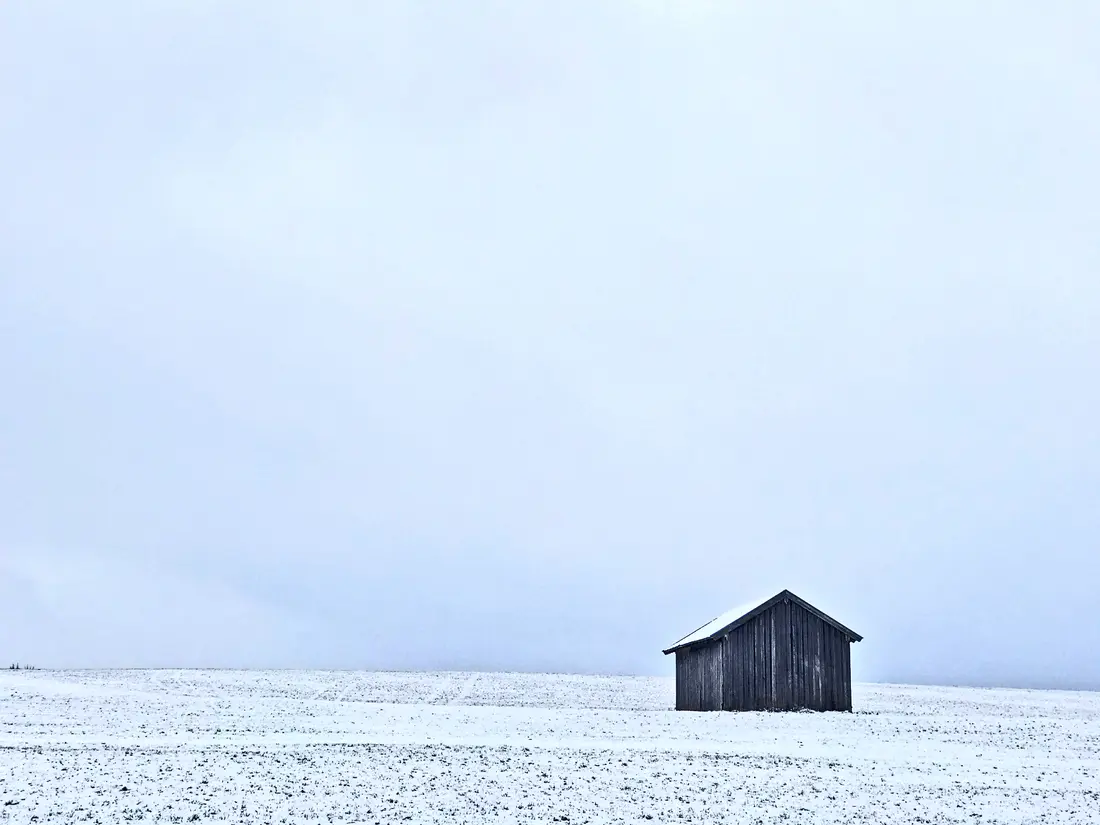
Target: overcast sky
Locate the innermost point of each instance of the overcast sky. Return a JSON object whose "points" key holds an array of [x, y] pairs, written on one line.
{"points": [[534, 335]]}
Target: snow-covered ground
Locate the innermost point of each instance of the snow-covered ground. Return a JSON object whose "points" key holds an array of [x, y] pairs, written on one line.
{"points": [[289, 747]]}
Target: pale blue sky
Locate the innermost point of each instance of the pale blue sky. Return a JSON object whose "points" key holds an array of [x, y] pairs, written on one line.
{"points": [[534, 335]]}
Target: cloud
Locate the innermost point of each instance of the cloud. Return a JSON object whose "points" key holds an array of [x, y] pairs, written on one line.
{"points": [[534, 336]]}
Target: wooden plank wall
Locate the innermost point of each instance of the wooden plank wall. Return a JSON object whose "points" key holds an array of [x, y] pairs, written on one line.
{"points": [[787, 659], [700, 675], [751, 654]]}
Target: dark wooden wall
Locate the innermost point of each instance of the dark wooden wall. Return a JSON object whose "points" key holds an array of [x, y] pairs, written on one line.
{"points": [[752, 661], [784, 659], [700, 674]]}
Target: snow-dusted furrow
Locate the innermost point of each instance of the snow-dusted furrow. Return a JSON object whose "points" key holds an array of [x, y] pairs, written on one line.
{"points": [[467, 688]]}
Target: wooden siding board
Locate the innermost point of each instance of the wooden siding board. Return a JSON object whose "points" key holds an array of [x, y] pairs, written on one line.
{"points": [[809, 639], [838, 667], [758, 665], [838, 676], [744, 657], [755, 663], [807, 663], [747, 654], [750, 669], [761, 663], [819, 664], [734, 665], [727, 685], [796, 658], [715, 682], [782, 661], [832, 673], [773, 660], [839, 642], [815, 662], [737, 664], [798, 699], [731, 672], [848, 676]]}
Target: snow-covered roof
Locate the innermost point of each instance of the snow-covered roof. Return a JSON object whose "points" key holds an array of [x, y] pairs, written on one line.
{"points": [[718, 623], [731, 618]]}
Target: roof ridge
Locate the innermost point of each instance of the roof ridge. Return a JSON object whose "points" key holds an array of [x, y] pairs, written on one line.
{"points": [[731, 619]]}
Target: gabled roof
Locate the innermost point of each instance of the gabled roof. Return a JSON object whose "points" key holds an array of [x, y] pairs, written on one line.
{"points": [[732, 619]]}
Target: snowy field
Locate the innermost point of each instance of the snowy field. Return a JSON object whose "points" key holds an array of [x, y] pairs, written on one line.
{"points": [[290, 747]]}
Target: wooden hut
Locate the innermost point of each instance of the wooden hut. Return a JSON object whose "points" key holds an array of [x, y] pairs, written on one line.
{"points": [[779, 654]]}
